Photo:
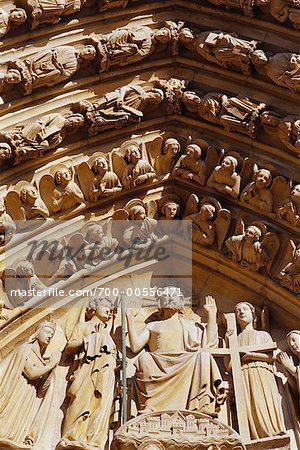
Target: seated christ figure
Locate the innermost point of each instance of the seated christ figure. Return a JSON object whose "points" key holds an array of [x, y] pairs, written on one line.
{"points": [[176, 371]]}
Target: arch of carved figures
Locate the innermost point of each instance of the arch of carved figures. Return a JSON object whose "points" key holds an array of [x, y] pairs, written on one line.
{"points": [[111, 108]]}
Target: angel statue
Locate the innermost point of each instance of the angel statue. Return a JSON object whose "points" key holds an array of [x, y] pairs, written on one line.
{"points": [[163, 154], [8, 18], [290, 209], [23, 203], [50, 11], [95, 178], [31, 140], [59, 190], [289, 275], [176, 371], [169, 207], [128, 45], [123, 106], [132, 164], [91, 390], [47, 67], [7, 225], [253, 247], [286, 129], [20, 282], [225, 178], [259, 193], [27, 384], [210, 222], [137, 228], [292, 368], [233, 113], [190, 165]]}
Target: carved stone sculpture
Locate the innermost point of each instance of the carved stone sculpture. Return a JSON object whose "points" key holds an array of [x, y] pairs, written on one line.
{"points": [[32, 139], [210, 222], [253, 247], [258, 193], [27, 392], [15, 16], [225, 179], [233, 113], [120, 107], [190, 166], [290, 211], [95, 178], [287, 129], [283, 10], [169, 207], [265, 416], [24, 203], [172, 381], [173, 89], [164, 162], [59, 190], [128, 45], [91, 390], [282, 68], [47, 68], [137, 171], [293, 370], [50, 11], [247, 6], [7, 225], [290, 274], [225, 49]]}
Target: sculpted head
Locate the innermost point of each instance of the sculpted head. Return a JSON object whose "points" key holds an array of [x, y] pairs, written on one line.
{"points": [[74, 121], [17, 16], [133, 153], [263, 178], [259, 58], [170, 210], [88, 52], [154, 96], [252, 234], [100, 165], [229, 164], [245, 313], [163, 35], [100, 307], [295, 194], [45, 332], [12, 76], [186, 36], [5, 151], [193, 151], [207, 212], [29, 194], [63, 175], [137, 212], [191, 100], [293, 340], [269, 118], [94, 233], [171, 299], [171, 147]]}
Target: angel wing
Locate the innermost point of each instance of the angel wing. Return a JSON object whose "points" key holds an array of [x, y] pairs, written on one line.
{"points": [[119, 224], [281, 189], [239, 227], [287, 256], [222, 224], [153, 149], [14, 206], [86, 179], [119, 164], [192, 206], [246, 172], [152, 210], [46, 188], [211, 160], [45, 265], [270, 244]]}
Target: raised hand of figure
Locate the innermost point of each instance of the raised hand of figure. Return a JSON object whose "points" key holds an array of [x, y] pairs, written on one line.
{"points": [[210, 305], [287, 362]]}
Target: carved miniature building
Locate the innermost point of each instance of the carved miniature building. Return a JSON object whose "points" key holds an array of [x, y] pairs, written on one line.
{"points": [[149, 224]]}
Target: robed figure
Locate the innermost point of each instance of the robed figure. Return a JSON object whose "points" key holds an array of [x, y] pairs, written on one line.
{"points": [[178, 372]]}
